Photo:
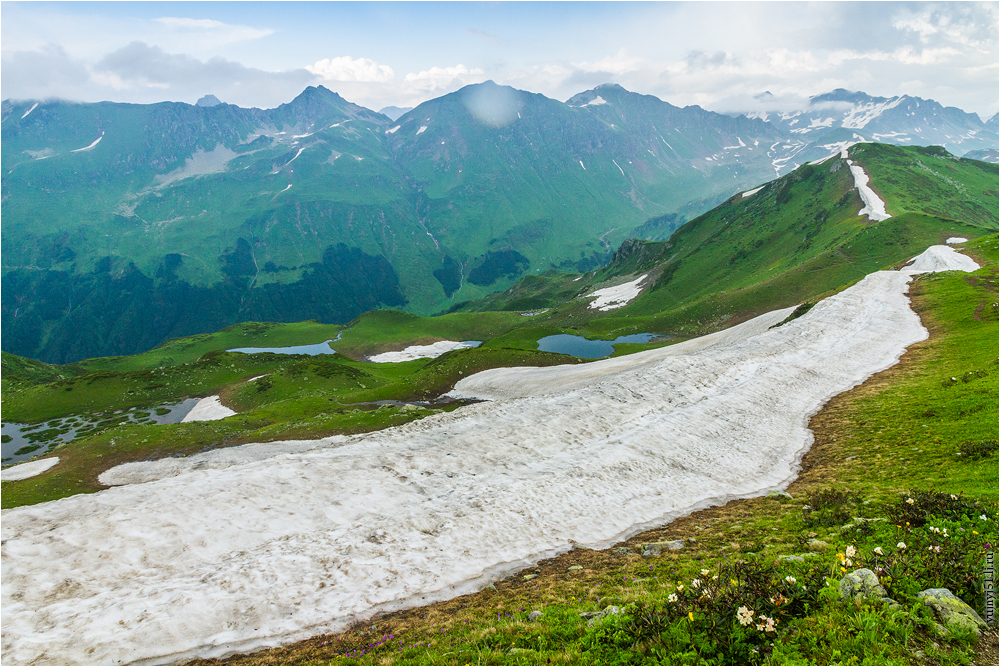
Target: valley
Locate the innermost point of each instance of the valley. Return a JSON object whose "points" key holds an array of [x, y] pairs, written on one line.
{"points": [[450, 472], [182, 220]]}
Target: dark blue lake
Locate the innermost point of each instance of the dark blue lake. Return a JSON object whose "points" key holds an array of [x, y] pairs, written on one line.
{"points": [[579, 346]]}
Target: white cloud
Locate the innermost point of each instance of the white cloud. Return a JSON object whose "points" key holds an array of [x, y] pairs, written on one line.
{"points": [[620, 63], [437, 79], [344, 68], [215, 32], [973, 26]]}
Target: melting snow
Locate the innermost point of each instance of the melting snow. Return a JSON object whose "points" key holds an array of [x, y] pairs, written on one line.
{"points": [[392, 130], [581, 164], [874, 207], [619, 167], [87, 148], [597, 101], [422, 128], [431, 351], [752, 192], [839, 147], [29, 469], [611, 298], [230, 555], [33, 106], [210, 408], [247, 554], [956, 239]]}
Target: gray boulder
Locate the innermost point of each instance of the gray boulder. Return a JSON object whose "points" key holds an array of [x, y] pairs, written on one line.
{"points": [[952, 611], [656, 548], [817, 545], [535, 615], [595, 616], [861, 583]]}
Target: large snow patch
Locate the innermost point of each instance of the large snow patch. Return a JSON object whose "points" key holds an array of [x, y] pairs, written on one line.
{"points": [[208, 409], [874, 206], [611, 298], [431, 351], [265, 551], [29, 469]]}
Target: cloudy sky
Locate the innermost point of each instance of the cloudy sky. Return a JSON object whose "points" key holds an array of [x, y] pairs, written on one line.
{"points": [[718, 55]]}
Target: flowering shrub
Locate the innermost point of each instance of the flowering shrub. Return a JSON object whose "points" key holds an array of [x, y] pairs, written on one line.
{"points": [[733, 616], [916, 507]]}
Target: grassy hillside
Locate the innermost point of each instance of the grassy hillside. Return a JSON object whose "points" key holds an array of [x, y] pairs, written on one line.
{"points": [[794, 239]]}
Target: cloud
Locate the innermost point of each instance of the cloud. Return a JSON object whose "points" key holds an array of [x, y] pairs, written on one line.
{"points": [[972, 25], [492, 39], [437, 79], [616, 64], [142, 73], [140, 65], [344, 68], [48, 72], [216, 32], [700, 60]]}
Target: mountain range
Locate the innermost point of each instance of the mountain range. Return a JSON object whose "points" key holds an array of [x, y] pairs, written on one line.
{"points": [[128, 224]]}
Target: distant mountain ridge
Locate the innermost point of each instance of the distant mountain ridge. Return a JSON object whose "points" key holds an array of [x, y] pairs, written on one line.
{"points": [[224, 214], [902, 120]]}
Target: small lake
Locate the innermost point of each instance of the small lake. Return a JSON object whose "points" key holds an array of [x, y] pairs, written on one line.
{"points": [[314, 349], [578, 346], [25, 441]]}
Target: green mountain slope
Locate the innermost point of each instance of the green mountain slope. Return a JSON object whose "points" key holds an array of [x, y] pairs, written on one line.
{"points": [[789, 241], [125, 225]]}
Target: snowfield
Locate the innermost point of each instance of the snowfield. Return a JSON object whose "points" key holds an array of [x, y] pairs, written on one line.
{"points": [[91, 146], [29, 469], [431, 351], [208, 409], [874, 206], [611, 298], [258, 551]]}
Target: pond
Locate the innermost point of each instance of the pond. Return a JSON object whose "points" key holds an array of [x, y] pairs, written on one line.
{"points": [[578, 346], [21, 442], [314, 349]]}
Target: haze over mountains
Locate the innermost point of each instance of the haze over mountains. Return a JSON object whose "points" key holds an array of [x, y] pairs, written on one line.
{"points": [[127, 224]]}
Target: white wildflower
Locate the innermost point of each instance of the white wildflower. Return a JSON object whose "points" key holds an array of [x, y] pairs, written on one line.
{"points": [[901, 545], [850, 551], [790, 579], [672, 597], [744, 616], [878, 551]]}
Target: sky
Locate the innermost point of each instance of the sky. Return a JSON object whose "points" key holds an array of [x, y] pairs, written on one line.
{"points": [[718, 55]]}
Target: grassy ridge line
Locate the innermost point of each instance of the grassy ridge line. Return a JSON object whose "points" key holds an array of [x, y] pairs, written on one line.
{"points": [[897, 435], [796, 238], [373, 332]]}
